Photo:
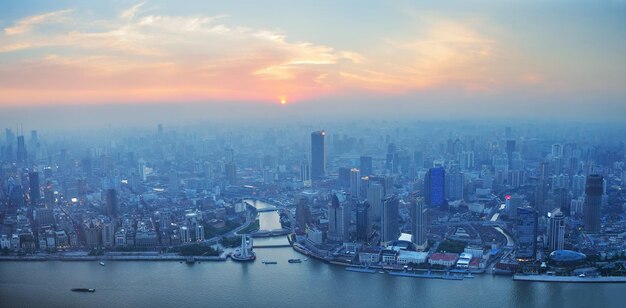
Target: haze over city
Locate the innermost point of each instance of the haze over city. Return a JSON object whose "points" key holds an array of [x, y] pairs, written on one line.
{"points": [[312, 153]]}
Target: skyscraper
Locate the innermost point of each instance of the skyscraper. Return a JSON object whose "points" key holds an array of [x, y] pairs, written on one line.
{"points": [[419, 223], [21, 150], [318, 155], [526, 228], [389, 225], [510, 148], [231, 173], [556, 231], [338, 218], [305, 172], [593, 203], [355, 183], [366, 165], [303, 214], [375, 196], [35, 194], [362, 221], [434, 186], [110, 206]]}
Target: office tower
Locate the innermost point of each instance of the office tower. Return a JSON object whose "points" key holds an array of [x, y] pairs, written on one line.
{"points": [[366, 165], [434, 187], [375, 195], [513, 202], [305, 174], [365, 185], [556, 231], [35, 194], [110, 206], [389, 224], [418, 160], [454, 185], [355, 183], [362, 221], [562, 199], [21, 150], [344, 177], [467, 160], [142, 170], [303, 214], [593, 203], [318, 155], [419, 224], [391, 161], [108, 234], [526, 228], [386, 182], [510, 148], [231, 173], [338, 218], [43, 217]]}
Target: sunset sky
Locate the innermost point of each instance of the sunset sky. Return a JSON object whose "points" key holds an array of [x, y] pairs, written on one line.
{"points": [[549, 54]]}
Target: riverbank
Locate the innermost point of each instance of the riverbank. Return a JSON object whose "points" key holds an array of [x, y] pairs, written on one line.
{"points": [[575, 279], [164, 257]]}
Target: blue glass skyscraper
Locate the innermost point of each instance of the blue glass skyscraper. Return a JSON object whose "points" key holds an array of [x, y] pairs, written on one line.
{"points": [[434, 186]]}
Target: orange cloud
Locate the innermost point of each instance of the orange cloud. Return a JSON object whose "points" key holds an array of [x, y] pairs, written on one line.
{"points": [[146, 57]]}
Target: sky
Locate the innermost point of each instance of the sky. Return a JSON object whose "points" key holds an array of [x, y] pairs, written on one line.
{"points": [[418, 58]]}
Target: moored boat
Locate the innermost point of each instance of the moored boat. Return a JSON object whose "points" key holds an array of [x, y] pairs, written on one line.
{"points": [[83, 290]]}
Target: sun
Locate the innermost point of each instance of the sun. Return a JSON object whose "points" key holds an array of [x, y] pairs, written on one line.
{"points": [[283, 100]]}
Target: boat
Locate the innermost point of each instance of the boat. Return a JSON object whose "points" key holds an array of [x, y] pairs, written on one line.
{"points": [[306, 259], [270, 262], [294, 261], [381, 272], [83, 290], [102, 263], [469, 275], [190, 260]]}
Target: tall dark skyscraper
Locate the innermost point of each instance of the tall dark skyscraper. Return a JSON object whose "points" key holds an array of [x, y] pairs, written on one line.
{"points": [[434, 187], [303, 215], [35, 194], [510, 148], [362, 221], [592, 207], [318, 155], [21, 150], [366, 166], [526, 228], [110, 206], [389, 225]]}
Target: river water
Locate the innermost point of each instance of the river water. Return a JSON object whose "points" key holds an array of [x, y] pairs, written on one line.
{"points": [[309, 284]]}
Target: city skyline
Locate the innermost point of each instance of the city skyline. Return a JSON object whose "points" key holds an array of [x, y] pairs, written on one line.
{"points": [[456, 58]]}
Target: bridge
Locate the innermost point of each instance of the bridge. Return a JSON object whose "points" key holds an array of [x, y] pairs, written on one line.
{"points": [[267, 209], [272, 246]]}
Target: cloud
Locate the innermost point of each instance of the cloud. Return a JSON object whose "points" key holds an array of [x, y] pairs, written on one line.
{"points": [[27, 24], [140, 56]]}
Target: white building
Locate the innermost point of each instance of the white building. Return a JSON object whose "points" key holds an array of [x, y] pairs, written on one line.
{"points": [[405, 257]]}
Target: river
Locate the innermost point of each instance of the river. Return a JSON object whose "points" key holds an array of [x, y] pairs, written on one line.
{"points": [[309, 284]]}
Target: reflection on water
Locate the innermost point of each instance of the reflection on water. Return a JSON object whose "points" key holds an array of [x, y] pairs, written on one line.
{"points": [[267, 220]]}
